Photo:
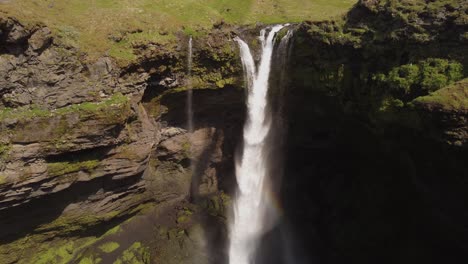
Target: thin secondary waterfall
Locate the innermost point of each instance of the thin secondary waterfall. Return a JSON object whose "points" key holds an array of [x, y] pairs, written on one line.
{"points": [[189, 90], [254, 213]]}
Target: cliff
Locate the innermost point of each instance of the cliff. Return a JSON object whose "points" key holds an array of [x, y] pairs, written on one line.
{"points": [[97, 165]]}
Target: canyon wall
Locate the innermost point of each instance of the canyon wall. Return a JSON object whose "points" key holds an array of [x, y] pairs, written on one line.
{"points": [[96, 163]]}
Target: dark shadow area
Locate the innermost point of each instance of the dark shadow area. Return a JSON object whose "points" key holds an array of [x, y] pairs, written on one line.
{"points": [[216, 234], [221, 109], [81, 155], [9, 46], [201, 163], [366, 201], [17, 222], [360, 191]]}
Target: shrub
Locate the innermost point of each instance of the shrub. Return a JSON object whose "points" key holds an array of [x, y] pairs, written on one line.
{"points": [[426, 76]]}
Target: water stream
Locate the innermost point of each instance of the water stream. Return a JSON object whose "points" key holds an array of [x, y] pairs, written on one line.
{"points": [[189, 90], [254, 211]]}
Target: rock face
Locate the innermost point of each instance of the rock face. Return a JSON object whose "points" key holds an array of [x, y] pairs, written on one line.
{"points": [[379, 170], [84, 146]]}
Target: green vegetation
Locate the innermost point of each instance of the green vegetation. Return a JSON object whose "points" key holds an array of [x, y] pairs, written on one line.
{"points": [[70, 251], [61, 254], [68, 224], [184, 216], [23, 113], [423, 77], [136, 254], [85, 109], [113, 231], [91, 107], [4, 149], [109, 247], [452, 97], [115, 26], [90, 260], [61, 168], [411, 22]]}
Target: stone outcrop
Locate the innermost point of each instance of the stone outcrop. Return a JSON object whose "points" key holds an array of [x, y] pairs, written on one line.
{"points": [[88, 144], [445, 114]]}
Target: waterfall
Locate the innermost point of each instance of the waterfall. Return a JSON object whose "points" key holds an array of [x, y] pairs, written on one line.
{"points": [[189, 90], [254, 212]]}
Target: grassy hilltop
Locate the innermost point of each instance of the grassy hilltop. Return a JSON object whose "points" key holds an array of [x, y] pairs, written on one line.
{"points": [[113, 26]]}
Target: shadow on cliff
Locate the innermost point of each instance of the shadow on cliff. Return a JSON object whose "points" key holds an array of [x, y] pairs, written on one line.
{"points": [[20, 221], [213, 226], [201, 164], [220, 111]]}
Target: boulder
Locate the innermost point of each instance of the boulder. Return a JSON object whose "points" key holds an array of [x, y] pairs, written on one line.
{"points": [[40, 39]]}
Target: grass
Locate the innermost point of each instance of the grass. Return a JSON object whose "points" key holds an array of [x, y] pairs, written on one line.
{"points": [[111, 27], [453, 97], [83, 108], [62, 168]]}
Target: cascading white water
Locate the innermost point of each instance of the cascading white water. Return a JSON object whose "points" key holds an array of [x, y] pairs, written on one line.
{"points": [[251, 211], [189, 91]]}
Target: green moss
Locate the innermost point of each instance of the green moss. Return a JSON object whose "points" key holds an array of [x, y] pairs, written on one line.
{"points": [[23, 113], [37, 247], [389, 104], [113, 231], [217, 205], [183, 219], [4, 150], [61, 254], [68, 224], [227, 200], [184, 216], [88, 108], [61, 168], [135, 254], [109, 247], [90, 260], [3, 179]]}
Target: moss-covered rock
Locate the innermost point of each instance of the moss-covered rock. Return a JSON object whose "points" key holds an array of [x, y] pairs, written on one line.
{"points": [[451, 98], [135, 254], [445, 114]]}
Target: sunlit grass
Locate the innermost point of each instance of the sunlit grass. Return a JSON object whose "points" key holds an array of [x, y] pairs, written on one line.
{"points": [[89, 24]]}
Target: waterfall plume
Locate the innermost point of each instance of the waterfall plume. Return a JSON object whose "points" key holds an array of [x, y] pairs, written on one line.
{"points": [[254, 212], [189, 90]]}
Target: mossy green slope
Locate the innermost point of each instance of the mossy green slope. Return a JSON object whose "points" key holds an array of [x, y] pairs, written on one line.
{"points": [[451, 98], [111, 26]]}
